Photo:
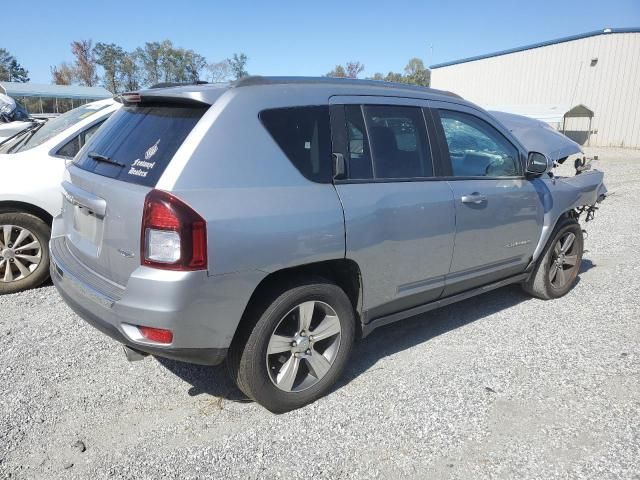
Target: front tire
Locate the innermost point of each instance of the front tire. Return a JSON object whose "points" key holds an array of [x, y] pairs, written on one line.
{"points": [[297, 348], [24, 252], [556, 271]]}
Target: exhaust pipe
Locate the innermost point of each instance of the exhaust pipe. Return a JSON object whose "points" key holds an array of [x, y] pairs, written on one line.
{"points": [[133, 355]]}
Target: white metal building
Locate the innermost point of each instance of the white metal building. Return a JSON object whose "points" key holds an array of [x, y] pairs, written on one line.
{"points": [[597, 72]]}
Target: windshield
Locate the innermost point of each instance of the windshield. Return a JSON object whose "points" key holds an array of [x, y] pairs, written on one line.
{"points": [[32, 137]]}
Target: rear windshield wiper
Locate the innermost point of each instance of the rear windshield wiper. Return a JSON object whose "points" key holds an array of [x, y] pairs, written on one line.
{"points": [[104, 159]]}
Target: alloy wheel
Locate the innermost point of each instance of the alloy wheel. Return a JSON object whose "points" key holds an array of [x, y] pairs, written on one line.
{"points": [[20, 253], [564, 261], [303, 346]]}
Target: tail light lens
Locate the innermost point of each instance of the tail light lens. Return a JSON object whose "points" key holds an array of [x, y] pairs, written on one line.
{"points": [[159, 335], [174, 236]]}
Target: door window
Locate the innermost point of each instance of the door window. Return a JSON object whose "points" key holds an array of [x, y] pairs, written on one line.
{"points": [[73, 146], [398, 139], [477, 149], [359, 157]]}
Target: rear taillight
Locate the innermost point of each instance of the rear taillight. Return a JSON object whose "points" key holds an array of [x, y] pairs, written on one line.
{"points": [[174, 236]]}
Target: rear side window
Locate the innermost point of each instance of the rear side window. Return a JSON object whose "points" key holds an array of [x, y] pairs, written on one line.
{"points": [[398, 138], [138, 142], [303, 134]]}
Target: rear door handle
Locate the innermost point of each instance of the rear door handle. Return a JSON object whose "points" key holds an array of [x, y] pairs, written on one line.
{"points": [[474, 198]]}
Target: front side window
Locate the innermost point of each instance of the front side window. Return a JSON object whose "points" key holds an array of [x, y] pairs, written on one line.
{"points": [[303, 134], [398, 139], [477, 149]]}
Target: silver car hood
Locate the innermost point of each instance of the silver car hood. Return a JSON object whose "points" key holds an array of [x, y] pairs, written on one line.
{"points": [[537, 136]]}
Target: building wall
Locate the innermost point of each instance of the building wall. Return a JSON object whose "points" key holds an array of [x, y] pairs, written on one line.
{"points": [[561, 74]]}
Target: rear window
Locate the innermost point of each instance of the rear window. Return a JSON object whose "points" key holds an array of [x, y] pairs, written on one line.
{"points": [[304, 135], [137, 143]]}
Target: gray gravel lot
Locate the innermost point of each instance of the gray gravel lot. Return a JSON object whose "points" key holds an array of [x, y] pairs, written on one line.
{"points": [[500, 386]]}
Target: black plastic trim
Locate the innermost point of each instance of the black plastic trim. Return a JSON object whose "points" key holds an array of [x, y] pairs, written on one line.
{"points": [[395, 317]]}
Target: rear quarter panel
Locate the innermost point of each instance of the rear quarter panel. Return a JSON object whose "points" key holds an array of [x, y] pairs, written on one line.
{"points": [[261, 212]]}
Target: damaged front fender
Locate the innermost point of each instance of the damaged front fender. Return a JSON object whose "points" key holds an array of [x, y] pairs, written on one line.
{"points": [[566, 196]]}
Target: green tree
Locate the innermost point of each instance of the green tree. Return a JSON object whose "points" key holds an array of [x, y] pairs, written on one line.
{"points": [[10, 69], [350, 70], [416, 73], [238, 65], [130, 72], [150, 57], [110, 57], [337, 72]]}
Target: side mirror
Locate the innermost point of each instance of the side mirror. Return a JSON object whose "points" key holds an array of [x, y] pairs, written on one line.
{"points": [[538, 164]]}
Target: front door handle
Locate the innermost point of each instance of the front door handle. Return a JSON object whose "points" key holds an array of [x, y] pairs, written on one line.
{"points": [[474, 198]]}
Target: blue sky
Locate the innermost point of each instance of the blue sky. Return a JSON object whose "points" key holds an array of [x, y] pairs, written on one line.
{"points": [[302, 37]]}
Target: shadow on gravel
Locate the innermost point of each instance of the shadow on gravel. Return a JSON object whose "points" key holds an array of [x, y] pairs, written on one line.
{"points": [[382, 342], [405, 334], [205, 380]]}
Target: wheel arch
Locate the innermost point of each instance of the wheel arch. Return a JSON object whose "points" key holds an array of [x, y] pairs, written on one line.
{"points": [[343, 272], [11, 206]]}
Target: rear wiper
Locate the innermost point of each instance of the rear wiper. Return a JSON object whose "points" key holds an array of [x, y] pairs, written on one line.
{"points": [[102, 158]]}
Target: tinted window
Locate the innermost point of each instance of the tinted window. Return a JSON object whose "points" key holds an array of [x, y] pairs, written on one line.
{"points": [[359, 158], [143, 139], [73, 146], [398, 139], [303, 135], [51, 128], [476, 148]]}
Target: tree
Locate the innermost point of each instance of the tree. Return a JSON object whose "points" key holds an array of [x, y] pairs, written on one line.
{"points": [[337, 72], [416, 73], [150, 57], [63, 74], [130, 72], [354, 69], [238, 64], [10, 69], [219, 71], [350, 70], [85, 63], [110, 57]]}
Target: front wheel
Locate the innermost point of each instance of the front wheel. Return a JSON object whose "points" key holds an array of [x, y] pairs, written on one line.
{"points": [[298, 347], [557, 269]]}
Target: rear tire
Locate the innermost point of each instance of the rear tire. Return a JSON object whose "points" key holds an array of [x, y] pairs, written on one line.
{"points": [[294, 345], [24, 252], [557, 268]]}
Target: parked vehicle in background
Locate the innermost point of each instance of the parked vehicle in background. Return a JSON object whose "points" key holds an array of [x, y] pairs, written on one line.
{"points": [[273, 220], [32, 163]]}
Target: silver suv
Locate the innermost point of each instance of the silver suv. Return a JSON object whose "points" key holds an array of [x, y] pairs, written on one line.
{"points": [[274, 220]]}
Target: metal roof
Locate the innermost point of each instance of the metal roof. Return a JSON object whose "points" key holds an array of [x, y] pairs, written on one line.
{"points": [[570, 38], [16, 89]]}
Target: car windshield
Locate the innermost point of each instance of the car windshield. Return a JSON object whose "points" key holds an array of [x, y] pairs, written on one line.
{"points": [[37, 135]]}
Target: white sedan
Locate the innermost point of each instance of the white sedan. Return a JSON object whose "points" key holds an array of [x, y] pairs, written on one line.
{"points": [[31, 168]]}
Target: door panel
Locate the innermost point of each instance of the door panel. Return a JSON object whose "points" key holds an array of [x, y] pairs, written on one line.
{"points": [[401, 236], [496, 232], [498, 211], [399, 219]]}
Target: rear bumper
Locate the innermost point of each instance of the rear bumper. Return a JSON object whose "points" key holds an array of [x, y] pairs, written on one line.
{"points": [[202, 312]]}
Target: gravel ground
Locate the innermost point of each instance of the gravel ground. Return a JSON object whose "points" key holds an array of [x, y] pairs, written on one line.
{"points": [[500, 386]]}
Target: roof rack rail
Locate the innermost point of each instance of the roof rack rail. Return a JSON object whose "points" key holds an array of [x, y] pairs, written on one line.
{"points": [[177, 84], [260, 80]]}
